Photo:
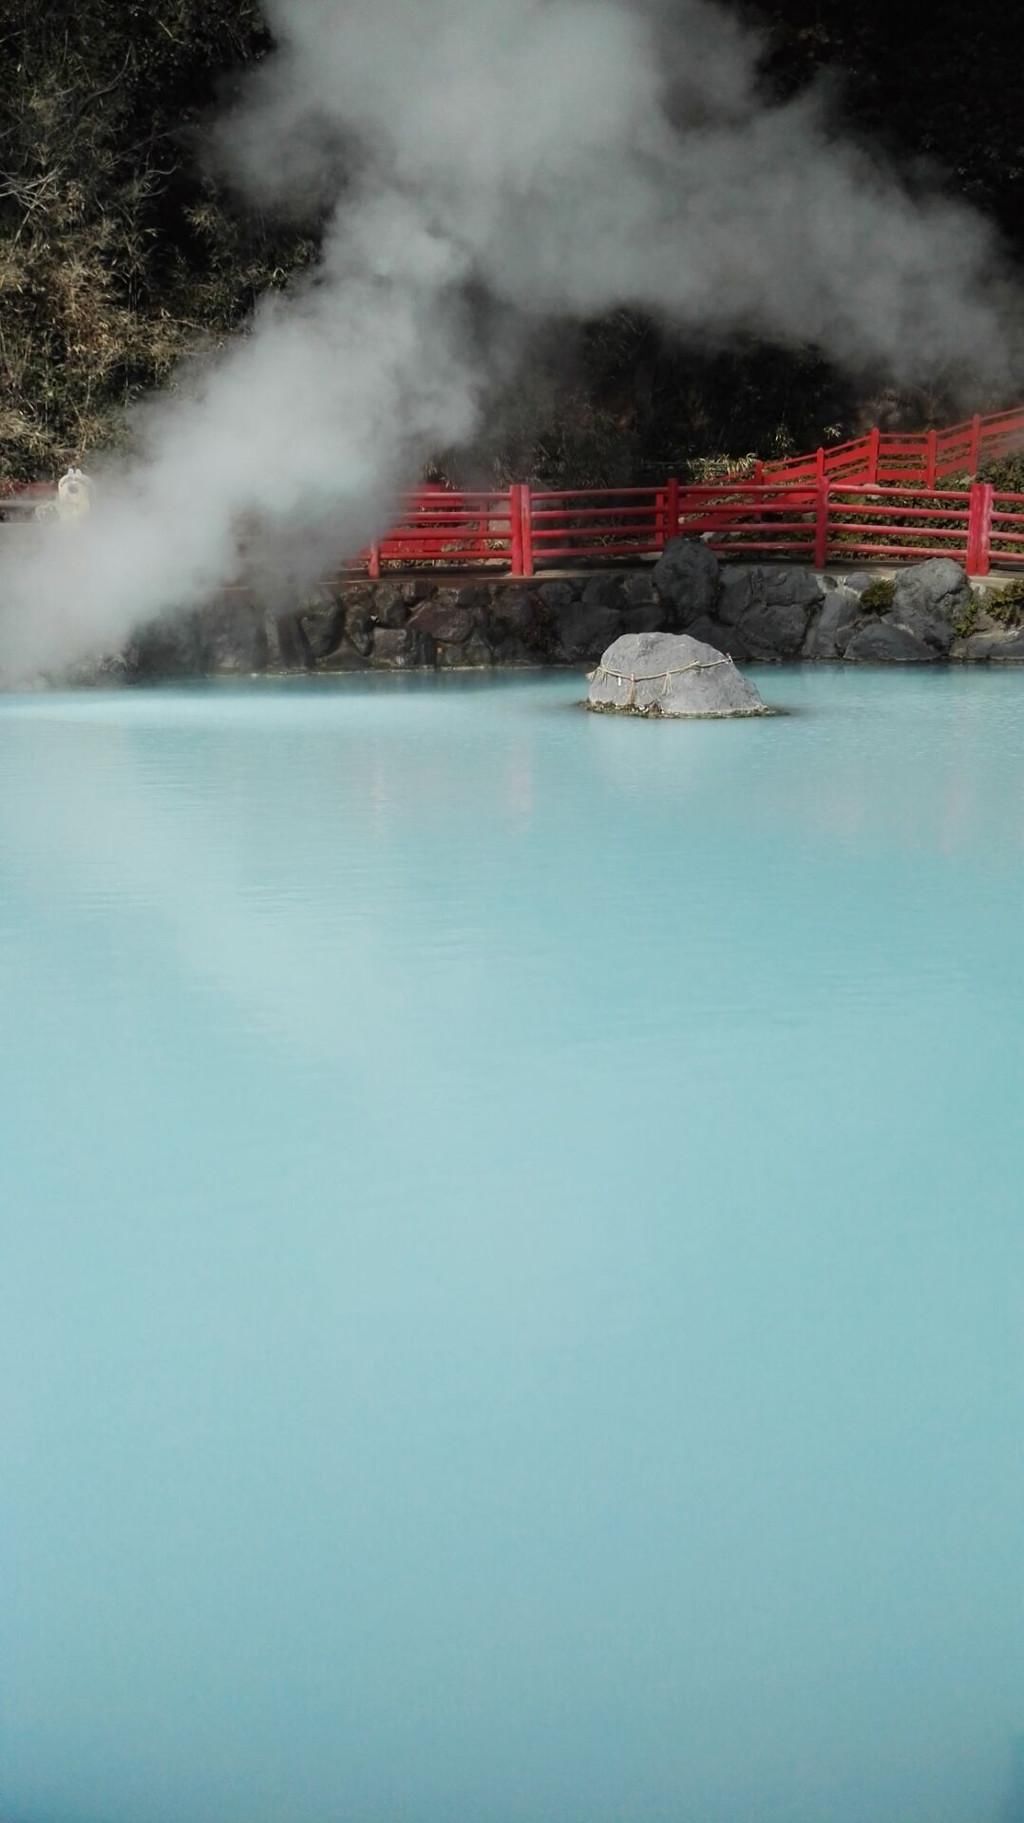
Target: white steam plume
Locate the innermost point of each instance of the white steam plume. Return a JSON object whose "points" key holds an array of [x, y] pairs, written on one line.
{"points": [[551, 158]]}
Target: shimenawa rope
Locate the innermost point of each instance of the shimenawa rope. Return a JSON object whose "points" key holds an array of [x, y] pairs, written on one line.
{"points": [[701, 664]]}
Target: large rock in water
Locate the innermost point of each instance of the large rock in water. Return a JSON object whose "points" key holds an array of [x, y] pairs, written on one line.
{"points": [[670, 674]]}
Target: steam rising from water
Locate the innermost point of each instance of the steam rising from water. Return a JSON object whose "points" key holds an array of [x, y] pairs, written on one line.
{"points": [[485, 167]]}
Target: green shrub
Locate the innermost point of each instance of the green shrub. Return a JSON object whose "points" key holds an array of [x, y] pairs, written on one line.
{"points": [[967, 621], [879, 596], [1007, 476], [1005, 606]]}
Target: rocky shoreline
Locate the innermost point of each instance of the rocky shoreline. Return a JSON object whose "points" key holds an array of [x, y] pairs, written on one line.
{"points": [[771, 613]]}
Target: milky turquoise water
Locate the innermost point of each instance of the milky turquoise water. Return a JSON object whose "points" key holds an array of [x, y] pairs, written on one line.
{"points": [[510, 1297]]}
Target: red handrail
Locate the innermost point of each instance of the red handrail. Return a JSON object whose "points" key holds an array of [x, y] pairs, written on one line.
{"points": [[925, 456], [873, 499], [820, 521]]}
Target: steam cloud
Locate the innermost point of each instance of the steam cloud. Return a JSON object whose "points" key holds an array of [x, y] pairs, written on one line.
{"points": [[485, 167]]}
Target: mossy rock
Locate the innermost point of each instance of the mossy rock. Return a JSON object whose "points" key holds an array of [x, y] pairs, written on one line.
{"points": [[879, 596], [1006, 606]]}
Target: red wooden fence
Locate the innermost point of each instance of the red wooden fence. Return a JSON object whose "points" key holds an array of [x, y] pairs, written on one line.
{"points": [[830, 521], [824, 522], [906, 458], [874, 500]]}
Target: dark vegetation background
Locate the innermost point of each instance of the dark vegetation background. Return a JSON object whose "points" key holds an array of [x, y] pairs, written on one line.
{"points": [[118, 254]]}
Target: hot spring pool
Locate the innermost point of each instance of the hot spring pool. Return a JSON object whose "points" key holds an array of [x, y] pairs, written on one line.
{"points": [[512, 1259]]}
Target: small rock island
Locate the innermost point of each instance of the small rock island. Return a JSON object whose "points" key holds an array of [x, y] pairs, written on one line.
{"points": [[670, 674]]}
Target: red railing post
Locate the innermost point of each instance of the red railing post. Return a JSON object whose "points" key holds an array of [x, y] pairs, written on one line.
{"points": [[526, 529], [515, 520], [975, 443], [670, 523], [821, 525], [931, 458], [819, 457], [979, 529], [874, 448], [373, 561]]}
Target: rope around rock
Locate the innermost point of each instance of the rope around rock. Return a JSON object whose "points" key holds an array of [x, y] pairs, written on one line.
{"points": [[700, 664]]}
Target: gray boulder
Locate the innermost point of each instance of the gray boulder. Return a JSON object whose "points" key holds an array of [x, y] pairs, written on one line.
{"points": [[403, 648], [934, 591], [883, 642], [346, 658], [514, 614], [830, 634], [772, 607], [416, 589], [585, 629], [451, 614], [742, 591], [557, 596], [983, 648], [776, 630], [790, 585], [929, 600], [933, 629], [642, 612], [476, 651], [289, 647], [515, 628], [358, 630], [233, 634], [445, 618], [638, 589], [166, 648], [749, 590], [603, 592], [724, 639], [643, 617], [687, 578], [670, 674], [473, 654], [390, 608], [322, 620]]}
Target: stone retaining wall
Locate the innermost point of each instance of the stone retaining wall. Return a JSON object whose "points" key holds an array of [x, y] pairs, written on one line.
{"points": [[769, 613]]}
